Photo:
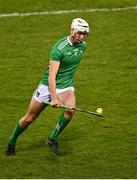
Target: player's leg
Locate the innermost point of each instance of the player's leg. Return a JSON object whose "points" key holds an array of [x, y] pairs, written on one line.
{"points": [[35, 108], [67, 98]]}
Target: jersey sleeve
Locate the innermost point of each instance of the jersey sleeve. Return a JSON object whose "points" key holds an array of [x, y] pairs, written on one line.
{"points": [[55, 55]]}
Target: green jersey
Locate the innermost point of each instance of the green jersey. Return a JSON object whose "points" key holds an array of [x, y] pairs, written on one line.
{"points": [[69, 56]]}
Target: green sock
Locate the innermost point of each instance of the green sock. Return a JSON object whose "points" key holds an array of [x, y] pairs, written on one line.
{"points": [[61, 124], [17, 131]]}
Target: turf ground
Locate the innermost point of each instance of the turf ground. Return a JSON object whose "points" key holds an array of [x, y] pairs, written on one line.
{"points": [[92, 147]]}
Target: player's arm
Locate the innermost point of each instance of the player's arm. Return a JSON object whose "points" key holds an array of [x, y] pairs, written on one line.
{"points": [[53, 69]]}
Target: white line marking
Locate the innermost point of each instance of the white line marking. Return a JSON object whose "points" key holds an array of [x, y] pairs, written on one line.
{"points": [[68, 11]]}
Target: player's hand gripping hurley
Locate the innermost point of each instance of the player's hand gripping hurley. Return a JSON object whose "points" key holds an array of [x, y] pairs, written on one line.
{"points": [[80, 110]]}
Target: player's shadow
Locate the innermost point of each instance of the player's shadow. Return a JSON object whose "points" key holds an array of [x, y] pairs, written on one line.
{"points": [[31, 146], [42, 146], [66, 144]]}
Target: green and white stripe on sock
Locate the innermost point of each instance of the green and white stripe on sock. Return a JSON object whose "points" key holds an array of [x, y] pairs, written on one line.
{"points": [[61, 124]]}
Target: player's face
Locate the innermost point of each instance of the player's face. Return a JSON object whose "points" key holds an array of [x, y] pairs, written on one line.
{"points": [[78, 37]]}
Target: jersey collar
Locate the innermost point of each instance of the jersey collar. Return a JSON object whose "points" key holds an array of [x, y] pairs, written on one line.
{"points": [[69, 41]]}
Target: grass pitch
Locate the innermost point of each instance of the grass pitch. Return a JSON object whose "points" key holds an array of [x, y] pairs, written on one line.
{"points": [[92, 147]]}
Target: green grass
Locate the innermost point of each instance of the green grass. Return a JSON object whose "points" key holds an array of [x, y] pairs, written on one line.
{"points": [[10, 6], [92, 147]]}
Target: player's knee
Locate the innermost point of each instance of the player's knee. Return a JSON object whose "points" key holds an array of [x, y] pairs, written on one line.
{"points": [[30, 118], [68, 114]]}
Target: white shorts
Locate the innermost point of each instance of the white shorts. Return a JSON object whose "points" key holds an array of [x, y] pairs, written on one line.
{"points": [[42, 93]]}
